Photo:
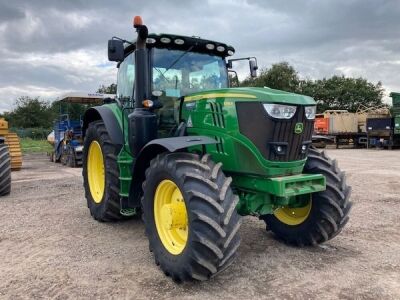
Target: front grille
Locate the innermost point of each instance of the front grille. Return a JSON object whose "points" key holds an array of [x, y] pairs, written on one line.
{"points": [[270, 134]]}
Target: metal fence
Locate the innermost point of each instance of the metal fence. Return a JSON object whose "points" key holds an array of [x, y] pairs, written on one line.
{"points": [[33, 133]]}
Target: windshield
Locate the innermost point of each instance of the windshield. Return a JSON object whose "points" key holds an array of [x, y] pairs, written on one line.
{"points": [[178, 73]]}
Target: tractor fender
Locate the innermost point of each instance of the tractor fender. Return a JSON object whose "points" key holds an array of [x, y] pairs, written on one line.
{"points": [[110, 122], [151, 150], [176, 143]]}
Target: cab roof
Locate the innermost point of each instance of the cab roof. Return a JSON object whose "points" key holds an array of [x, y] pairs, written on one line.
{"points": [[180, 42]]}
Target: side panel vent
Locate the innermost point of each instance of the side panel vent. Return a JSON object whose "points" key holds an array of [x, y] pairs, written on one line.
{"points": [[220, 145], [217, 114]]}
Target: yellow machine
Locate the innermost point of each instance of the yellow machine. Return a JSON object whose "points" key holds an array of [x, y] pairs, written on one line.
{"points": [[12, 140]]}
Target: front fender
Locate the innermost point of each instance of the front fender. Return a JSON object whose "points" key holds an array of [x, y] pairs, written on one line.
{"points": [[111, 123], [176, 143], [151, 150]]}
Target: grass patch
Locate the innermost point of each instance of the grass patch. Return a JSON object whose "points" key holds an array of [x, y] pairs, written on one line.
{"points": [[35, 146]]}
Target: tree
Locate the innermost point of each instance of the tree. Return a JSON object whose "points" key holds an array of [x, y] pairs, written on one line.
{"points": [[30, 113], [281, 76], [111, 89], [339, 92], [233, 80]]}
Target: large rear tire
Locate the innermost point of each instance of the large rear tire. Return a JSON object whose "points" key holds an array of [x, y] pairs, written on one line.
{"points": [[100, 174], [189, 212], [5, 170], [325, 214]]}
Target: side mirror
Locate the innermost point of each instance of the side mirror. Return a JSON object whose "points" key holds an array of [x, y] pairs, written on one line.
{"points": [[115, 50], [253, 68]]}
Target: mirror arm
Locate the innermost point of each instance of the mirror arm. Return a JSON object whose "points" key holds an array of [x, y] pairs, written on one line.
{"points": [[122, 40], [229, 63]]}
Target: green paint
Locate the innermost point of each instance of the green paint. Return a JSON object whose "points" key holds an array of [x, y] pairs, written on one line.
{"points": [[262, 185], [125, 160], [397, 125], [260, 196]]}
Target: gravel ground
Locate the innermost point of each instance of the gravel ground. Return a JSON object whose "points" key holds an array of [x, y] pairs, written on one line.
{"points": [[50, 247]]}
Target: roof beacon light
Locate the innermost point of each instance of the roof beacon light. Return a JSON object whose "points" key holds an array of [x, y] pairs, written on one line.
{"points": [[137, 21]]}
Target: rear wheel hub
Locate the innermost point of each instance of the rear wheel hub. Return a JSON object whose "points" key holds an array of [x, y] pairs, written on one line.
{"points": [[95, 170]]}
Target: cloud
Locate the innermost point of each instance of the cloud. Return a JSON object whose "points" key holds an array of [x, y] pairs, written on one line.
{"points": [[52, 47]]}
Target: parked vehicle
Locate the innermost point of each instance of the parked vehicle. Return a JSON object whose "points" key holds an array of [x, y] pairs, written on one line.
{"points": [[193, 154], [11, 139]]}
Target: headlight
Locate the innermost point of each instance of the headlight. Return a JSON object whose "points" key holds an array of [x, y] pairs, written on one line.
{"points": [[280, 111], [310, 112]]}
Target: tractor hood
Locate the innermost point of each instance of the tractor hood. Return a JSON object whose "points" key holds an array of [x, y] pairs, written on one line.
{"points": [[254, 94]]}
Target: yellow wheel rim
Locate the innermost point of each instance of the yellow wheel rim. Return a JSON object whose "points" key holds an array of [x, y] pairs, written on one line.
{"points": [[170, 216], [293, 216], [95, 170]]}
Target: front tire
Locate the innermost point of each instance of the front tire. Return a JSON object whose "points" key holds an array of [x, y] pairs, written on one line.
{"points": [[100, 174], [324, 216], [71, 161], [189, 212]]}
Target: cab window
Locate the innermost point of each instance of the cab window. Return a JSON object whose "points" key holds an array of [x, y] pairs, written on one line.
{"points": [[126, 79]]}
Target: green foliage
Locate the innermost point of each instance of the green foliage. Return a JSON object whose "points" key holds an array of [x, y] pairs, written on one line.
{"points": [[280, 76], [339, 92], [111, 89], [30, 112], [233, 80]]}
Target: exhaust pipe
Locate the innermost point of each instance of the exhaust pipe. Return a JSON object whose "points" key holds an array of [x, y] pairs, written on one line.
{"points": [[143, 121]]}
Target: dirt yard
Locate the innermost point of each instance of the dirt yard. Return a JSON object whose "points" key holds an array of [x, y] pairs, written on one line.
{"points": [[50, 247]]}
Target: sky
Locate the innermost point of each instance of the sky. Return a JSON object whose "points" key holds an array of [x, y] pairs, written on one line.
{"points": [[49, 47]]}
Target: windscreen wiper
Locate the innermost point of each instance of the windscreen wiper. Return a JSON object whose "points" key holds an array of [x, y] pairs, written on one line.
{"points": [[178, 59]]}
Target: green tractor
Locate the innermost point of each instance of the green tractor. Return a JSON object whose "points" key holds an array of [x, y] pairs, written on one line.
{"points": [[192, 155]]}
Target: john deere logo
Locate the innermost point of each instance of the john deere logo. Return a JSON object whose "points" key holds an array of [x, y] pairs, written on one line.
{"points": [[298, 128]]}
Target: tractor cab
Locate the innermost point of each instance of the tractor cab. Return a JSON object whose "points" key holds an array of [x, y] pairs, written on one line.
{"points": [[178, 66]]}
